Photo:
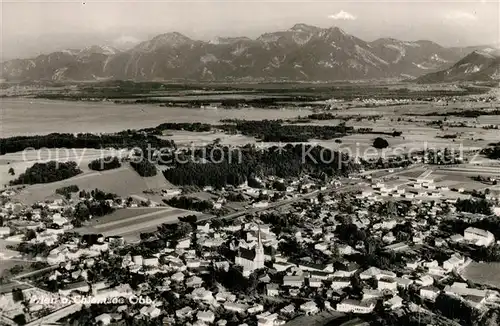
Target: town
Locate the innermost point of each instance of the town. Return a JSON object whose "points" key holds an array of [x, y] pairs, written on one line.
{"points": [[387, 246]]}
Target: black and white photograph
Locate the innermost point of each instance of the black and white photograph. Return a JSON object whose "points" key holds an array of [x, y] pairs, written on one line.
{"points": [[250, 163]]}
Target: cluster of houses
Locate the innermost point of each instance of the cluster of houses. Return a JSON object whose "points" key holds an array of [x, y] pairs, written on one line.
{"points": [[296, 282], [416, 188]]}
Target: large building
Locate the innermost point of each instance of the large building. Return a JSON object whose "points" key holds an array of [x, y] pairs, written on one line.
{"points": [[479, 237], [251, 259]]}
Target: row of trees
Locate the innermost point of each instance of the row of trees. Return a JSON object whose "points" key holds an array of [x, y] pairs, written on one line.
{"points": [[188, 126], [189, 203], [124, 139], [47, 172]]}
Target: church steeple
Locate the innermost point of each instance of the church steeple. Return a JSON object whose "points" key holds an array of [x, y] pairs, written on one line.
{"points": [[259, 252], [259, 239]]}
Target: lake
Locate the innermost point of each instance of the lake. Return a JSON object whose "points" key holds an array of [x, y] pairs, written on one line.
{"points": [[22, 116]]}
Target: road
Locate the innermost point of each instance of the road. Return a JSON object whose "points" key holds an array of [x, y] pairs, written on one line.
{"points": [[38, 271]]}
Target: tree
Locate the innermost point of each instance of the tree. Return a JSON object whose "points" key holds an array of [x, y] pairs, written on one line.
{"points": [[189, 219], [82, 212], [31, 234], [20, 319], [183, 229], [356, 284], [11, 171], [380, 143], [17, 295], [217, 223], [107, 163]]}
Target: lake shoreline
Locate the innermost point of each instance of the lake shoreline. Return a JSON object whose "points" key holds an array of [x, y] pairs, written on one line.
{"points": [[28, 117]]}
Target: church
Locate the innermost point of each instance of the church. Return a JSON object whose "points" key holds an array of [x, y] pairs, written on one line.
{"points": [[251, 259]]}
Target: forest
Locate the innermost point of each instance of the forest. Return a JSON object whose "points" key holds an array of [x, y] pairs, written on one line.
{"points": [[47, 172], [234, 167], [144, 168], [480, 206], [493, 152], [276, 130]]}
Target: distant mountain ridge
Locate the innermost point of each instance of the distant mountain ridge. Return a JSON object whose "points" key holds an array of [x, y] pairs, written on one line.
{"points": [[477, 66], [302, 52]]}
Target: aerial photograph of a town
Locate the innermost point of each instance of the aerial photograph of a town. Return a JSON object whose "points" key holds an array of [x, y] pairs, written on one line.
{"points": [[256, 163]]}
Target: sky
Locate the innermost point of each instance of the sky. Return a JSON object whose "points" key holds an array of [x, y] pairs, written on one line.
{"points": [[32, 27]]}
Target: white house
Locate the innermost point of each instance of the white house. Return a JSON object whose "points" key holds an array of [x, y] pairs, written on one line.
{"points": [[339, 283], [453, 262], [378, 273], [138, 260], [388, 284], [272, 289], [54, 259], [150, 261], [236, 307], [206, 316], [429, 293], [395, 302], [355, 306], [310, 308], [184, 312], [293, 280], [104, 319], [79, 286], [268, 319], [260, 204], [4, 231], [255, 309], [184, 243]]}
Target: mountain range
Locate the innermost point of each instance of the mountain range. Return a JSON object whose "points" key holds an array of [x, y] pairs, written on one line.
{"points": [[477, 66], [302, 52]]}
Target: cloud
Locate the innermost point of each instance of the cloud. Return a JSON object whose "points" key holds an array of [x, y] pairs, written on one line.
{"points": [[125, 41], [462, 16], [342, 15]]}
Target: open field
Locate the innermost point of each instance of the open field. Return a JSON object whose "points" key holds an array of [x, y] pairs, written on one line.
{"points": [[123, 181], [8, 287], [130, 222], [6, 264], [20, 161], [483, 273], [321, 319], [187, 138]]}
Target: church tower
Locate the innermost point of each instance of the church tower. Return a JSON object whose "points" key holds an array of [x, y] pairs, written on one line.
{"points": [[259, 252]]}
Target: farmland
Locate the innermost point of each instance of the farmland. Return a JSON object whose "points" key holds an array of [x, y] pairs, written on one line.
{"points": [[130, 222], [123, 182]]}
